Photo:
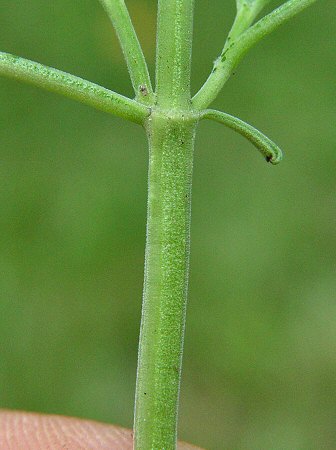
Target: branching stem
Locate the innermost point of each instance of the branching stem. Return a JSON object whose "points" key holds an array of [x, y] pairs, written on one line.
{"points": [[170, 118], [231, 55]]}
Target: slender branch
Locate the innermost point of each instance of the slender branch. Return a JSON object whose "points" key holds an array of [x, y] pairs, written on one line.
{"points": [[71, 86], [135, 60], [267, 148], [173, 55], [231, 56], [247, 11]]}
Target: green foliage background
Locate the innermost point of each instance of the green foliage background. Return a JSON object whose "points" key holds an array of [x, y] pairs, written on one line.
{"points": [[260, 357]]}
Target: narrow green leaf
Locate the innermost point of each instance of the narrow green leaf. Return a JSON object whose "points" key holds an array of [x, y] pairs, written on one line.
{"points": [[271, 152], [71, 86]]}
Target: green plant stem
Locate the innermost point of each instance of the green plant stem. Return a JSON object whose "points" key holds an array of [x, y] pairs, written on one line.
{"points": [[173, 53], [171, 143], [170, 130], [231, 55], [135, 60], [71, 86]]}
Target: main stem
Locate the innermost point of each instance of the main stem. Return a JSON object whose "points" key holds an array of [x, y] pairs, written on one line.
{"points": [[166, 278], [170, 130]]}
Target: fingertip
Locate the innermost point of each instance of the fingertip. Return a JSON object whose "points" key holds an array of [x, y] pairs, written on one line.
{"points": [[32, 431], [23, 431]]}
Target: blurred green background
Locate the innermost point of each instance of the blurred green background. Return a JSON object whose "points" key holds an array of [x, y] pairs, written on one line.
{"points": [[260, 355]]}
